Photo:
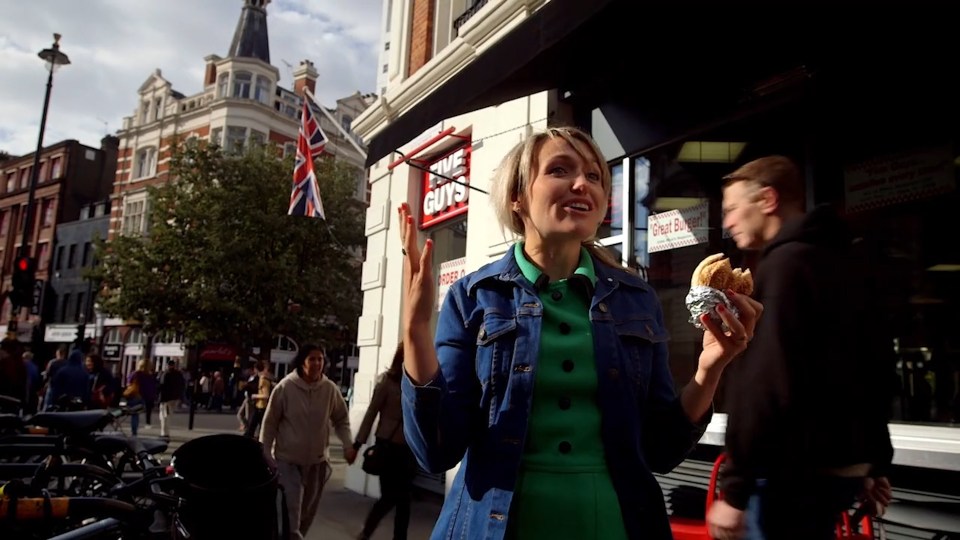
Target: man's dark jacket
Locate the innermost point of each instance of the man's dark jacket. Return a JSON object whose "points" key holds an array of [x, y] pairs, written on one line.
{"points": [[813, 390]]}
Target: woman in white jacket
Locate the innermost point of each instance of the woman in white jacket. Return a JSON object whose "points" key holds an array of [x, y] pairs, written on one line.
{"points": [[296, 431]]}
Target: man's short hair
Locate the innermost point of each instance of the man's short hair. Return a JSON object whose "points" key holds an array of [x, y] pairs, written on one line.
{"points": [[777, 172]]}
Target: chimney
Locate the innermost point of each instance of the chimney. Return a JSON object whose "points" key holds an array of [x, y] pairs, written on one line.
{"points": [[210, 76], [305, 76]]}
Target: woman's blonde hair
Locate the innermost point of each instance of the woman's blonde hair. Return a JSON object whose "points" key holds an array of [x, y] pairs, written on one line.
{"points": [[143, 365], [519, 167]]}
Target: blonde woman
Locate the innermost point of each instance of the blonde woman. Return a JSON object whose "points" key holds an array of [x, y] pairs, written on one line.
{"points": [[548, 380]]}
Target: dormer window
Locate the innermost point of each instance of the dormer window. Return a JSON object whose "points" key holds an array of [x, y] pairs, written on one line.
{"points": [[242, 80]]}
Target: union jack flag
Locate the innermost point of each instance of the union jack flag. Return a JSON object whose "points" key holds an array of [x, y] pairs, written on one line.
{"points": [[305, 197]]}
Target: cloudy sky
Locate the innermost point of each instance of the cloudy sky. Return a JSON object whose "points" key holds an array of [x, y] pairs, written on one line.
{"points": [[114, 45]]}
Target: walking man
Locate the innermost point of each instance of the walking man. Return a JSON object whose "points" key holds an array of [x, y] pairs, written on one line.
{"points": [[172, 386], [810, 400]]}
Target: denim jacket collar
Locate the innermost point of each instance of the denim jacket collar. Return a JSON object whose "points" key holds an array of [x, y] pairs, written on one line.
{"points": [[506, 270]]}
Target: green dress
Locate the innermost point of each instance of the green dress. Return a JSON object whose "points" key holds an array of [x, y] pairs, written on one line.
{"points": [[564, 488]]}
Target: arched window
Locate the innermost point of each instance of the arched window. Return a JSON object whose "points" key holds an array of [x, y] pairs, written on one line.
{"points": [[241, 84]]}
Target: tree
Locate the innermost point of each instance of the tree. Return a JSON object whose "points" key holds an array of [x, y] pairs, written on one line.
{"points": [[223, 261], [4, 155]]}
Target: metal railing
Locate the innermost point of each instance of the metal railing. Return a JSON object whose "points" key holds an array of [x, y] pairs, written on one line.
{"points": [[476, 6]]}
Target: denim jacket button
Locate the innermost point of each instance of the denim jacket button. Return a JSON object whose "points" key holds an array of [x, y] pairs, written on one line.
{"points": [[614, 373], [564, 447], [564, 328], [556, 295], [567, 365], [602, 307]]}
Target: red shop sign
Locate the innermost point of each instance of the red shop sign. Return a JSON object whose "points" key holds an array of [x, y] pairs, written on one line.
{"points": [[217, 351], [442, 199]]}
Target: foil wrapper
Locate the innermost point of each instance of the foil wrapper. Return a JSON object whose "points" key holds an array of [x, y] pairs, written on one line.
{"points": [[702, 300]]}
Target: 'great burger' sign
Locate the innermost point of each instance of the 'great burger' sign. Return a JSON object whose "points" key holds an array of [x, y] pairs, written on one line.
{"points": [[443, 199]]}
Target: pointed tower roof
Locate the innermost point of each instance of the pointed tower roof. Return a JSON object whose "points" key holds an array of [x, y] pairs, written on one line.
{"points": [[250, 38]]}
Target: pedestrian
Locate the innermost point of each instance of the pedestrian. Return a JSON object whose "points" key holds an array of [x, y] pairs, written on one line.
{"points": [[34, 384], [133, 393], [548, 379], [296, 434], [103, 387], [807, 425], [70, 383], [149, 390], [13, 373], [260, 399], [171, 390], [396, 481]]}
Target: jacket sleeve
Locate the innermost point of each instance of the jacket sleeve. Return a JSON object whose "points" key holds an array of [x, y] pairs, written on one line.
{"points": [[340, 417], [439, 417], [669, 435], [376, 404], [271, 418], [768, 382]]}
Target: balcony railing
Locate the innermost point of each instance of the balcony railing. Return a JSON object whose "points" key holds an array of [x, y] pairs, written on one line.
{"points": [[476, 6]]}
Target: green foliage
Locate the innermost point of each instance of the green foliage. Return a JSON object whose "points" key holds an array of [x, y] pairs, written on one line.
{"points": [[223, 261]]}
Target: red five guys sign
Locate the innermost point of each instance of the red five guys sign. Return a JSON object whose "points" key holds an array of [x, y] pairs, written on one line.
{"points": [[442, 199]]}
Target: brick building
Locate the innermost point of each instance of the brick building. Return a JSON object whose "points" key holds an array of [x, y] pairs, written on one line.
{"points": [[241, 102], [72, 176]]}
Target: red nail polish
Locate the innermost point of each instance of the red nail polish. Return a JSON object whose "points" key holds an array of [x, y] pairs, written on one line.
{"points": [[721, 309], [730, 293]]}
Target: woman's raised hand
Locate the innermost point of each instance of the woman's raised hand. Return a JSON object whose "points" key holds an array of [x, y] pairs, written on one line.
{"points": [[419, 288], [720, 347]]}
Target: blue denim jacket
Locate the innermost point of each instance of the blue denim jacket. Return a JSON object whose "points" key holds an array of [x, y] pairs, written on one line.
{"points": [[476, 410]]}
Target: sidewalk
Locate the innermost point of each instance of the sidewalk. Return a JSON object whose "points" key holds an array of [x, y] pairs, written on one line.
{"points": [[341, 511]]}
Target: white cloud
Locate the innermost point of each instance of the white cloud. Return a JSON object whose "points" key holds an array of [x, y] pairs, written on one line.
{"points": [[114, 45]]}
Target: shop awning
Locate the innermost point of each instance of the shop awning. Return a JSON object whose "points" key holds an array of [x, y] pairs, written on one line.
{"points": [[527, 60]]}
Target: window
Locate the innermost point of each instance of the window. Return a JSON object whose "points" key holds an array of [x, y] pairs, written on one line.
{"points": [[64, 306], [81, 308], [144, 112], [25, 177], [72, 257], [86, 254], [216, 136], [48, 208], [241, 84], [262, 93], [236, 137], [11, 181], [258, 138], [146, 164], [4, 223], [43, 256], [158, 108], [386, 46], [385, 68], [289, 149], [59, 262], [44, 169], [345, 122], [223, 83], [55, 169], [388, 16], [135, 216]]}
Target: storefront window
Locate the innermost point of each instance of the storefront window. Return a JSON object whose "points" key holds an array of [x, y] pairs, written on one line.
{"points": [[896, 187]]}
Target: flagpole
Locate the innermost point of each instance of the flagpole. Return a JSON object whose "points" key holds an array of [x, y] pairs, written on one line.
{"points": [[346, 135]]}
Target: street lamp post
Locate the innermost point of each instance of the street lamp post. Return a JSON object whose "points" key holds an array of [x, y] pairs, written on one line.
{"points": [[53, 57]]}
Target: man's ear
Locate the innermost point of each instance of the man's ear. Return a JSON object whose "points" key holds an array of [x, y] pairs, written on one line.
{"points": [[768, 199]]}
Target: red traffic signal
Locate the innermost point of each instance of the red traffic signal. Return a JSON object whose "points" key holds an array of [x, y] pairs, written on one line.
{"points": [[23, 280], [23, 264]]}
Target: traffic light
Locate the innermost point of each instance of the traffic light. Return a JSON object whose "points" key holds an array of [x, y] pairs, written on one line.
{"points": [[24, 276]]}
